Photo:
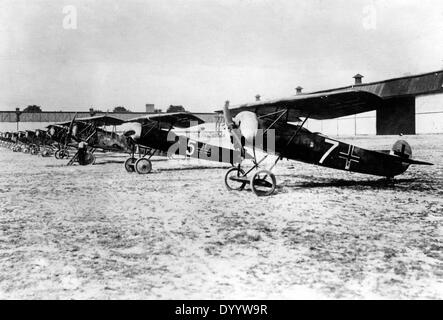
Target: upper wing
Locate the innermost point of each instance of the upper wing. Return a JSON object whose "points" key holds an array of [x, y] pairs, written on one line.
{"points": [[62, 124], [97, 120], [166, 120], [102, 120], [316, 106]]}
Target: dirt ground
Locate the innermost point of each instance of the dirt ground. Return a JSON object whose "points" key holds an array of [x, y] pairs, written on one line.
{"points": [[98, 232]]}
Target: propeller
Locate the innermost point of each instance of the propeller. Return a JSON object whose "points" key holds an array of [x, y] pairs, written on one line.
{"points": [[70, 130], [228, 118], [232, 126], [243, 128]]}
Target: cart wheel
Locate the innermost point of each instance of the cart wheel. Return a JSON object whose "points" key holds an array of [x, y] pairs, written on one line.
{"points": [[34, 151], [232, 184], [26, 150], [143, 166], [263, 183], [129, 164], [45, 153]]}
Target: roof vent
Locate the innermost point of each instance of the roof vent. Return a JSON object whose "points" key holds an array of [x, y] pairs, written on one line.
{"points": [[257, 97], [358, 78], [299, 90]]}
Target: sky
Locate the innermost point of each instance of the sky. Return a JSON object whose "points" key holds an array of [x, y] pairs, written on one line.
{"points": [[77, 54]]}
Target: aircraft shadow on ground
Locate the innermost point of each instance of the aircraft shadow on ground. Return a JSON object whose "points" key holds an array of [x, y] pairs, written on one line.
{"points": [[283, 187], [123, 159], [108, 162], [192, 168], [384, 184]]}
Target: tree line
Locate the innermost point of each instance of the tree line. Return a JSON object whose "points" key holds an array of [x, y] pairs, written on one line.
{"points": [[120, 109]]}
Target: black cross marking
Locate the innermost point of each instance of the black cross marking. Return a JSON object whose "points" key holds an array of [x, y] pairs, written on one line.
{"points": [[349, 157]]}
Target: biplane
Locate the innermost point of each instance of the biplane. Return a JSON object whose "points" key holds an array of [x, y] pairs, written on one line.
{"points": [[154, 134], [43, 143], [277, 127], [21, 142], [36, 141], [60, 139], [27, 141], [89, 130], [6, 139]]}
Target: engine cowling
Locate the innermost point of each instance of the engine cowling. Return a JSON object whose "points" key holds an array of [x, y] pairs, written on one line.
{"points": [[133, 130], [51, 131], [247, 123]]}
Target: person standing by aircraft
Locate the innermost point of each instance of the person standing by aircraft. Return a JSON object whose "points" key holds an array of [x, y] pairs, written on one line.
{"points": [[82, 149]]}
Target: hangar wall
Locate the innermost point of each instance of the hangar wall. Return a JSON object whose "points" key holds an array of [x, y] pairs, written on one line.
{"points": [[426, 115], [359, 124], [429, 113]]}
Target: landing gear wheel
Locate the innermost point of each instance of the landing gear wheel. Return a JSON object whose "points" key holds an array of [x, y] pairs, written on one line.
{"points": [[45, 153], [129, 164], [89, 158], [263, 183], [63, 154], [143, 166], [232, 184]]}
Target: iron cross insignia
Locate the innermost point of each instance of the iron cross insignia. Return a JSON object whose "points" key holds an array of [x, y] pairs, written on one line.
{"points": [[349, 157]]}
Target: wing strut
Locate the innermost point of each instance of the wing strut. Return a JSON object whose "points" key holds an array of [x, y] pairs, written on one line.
{"points": [[298, 130], [275, 121]]}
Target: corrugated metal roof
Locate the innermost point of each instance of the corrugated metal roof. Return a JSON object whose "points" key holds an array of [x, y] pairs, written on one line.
{"points": [[404, 86]]}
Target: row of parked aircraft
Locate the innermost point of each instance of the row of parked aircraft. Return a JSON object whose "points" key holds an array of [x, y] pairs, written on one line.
{"points": [[273, 127]]}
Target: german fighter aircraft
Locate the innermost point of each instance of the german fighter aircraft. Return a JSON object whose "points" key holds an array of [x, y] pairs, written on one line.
{"points": [[89, 130], [251, 125], [153, 133], [38, 142]]}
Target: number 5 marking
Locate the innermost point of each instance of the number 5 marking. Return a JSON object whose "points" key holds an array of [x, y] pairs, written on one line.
{"points": [[334, 145], [191, 145]]}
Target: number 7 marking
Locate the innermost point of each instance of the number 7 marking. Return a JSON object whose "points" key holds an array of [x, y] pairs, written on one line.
{"points": [[334, 145]]}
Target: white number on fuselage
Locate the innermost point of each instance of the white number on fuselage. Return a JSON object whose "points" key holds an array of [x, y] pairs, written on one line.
{"points": [[191, 146], [327, 153]]}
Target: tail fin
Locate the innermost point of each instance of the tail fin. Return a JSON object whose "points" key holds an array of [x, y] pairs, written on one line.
{"points": [[403, 150]]}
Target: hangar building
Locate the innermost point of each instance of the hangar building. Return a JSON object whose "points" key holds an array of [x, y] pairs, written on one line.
{"points": [[411, 105]]}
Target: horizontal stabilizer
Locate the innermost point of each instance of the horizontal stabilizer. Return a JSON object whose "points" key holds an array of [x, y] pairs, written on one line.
{"points": [[412, 161]]}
